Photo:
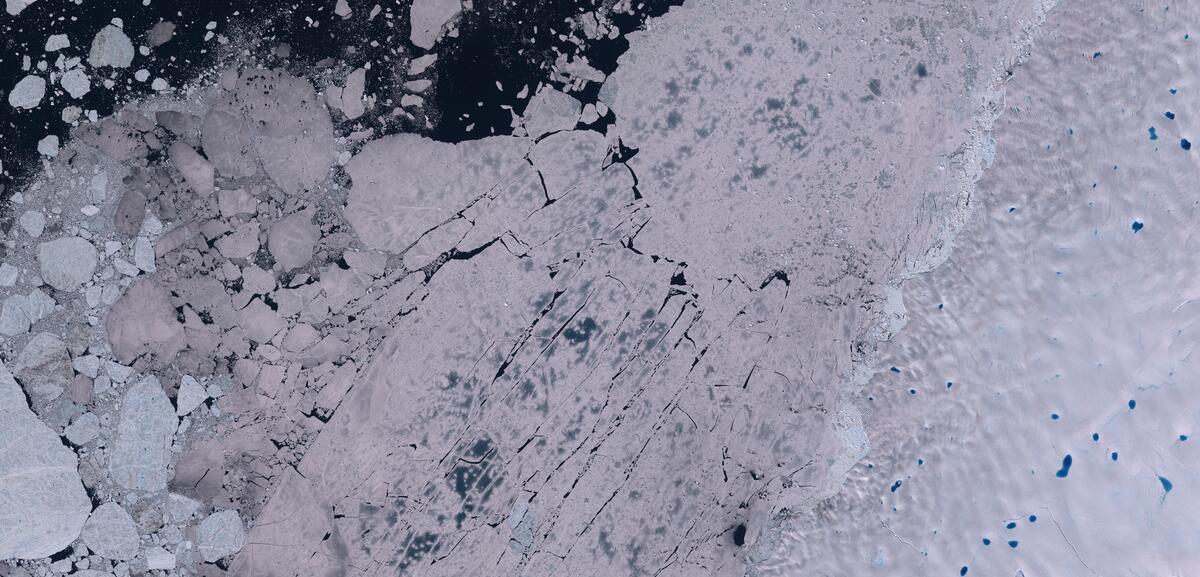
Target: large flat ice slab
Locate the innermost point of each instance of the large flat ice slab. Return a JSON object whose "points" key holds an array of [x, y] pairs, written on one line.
{"points": [[42, 502]]}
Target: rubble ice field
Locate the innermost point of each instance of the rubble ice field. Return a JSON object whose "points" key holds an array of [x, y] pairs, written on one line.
{"points": [[795, 289]]}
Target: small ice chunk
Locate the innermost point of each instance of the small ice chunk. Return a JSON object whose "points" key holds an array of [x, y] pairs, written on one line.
{"points": [[28, 92], [143, 322], [83, 430], [257, 281], [293, 239], [126, 268], [551, 110], [44, 366], [15, 7], [418, 85], [71, 113], [160, 34], [66, 263], [220, 535], [419, 64], [342, 9], [159, 84], [141, 75], [191, 395], [111, 533], [87, 365], [235, 202], [76, 83], [38, 305], [141, 452], [159, 559], [117, 372], [48, 146], [196, 170], [98, 187], [57, 42], [33, 223], [427, 17], [111, 47], [14, 319], [300, 337], [241, 243], [368, 263], [143, 254], [8, 274], [180, 509], [352, 94]]}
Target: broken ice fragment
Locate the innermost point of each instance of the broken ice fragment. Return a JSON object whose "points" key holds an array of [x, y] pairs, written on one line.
{"points": [[196, 169], [220, 535], [191, 395], [236, 202], [160, 34], [111, 533], [76, 83], [342, 9], [111, 47], [66, 263], [551, 110], [8, 274], [45, 505], [83, 430], [427, 18], [87, 365], [44, 366], [144, 322], [294, 136], [32, 222], [229, 142], [349, 98], [57, 42], [241, 243], [141, 452], [143, 254], [293, 239], [179, 509], [159, 559], [28, 92], [15, 7], [48, 146], [131, 210]]}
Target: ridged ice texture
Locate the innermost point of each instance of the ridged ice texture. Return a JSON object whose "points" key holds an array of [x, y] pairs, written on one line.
{"points": [[1042, 397]]}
